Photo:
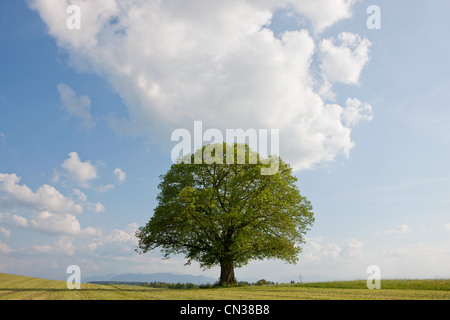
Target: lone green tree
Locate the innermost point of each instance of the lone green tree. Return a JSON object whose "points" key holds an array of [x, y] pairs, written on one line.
{"points": [[227, 213]]}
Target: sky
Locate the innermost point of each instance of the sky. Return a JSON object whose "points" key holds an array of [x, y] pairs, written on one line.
{"points": [[360, 100]]}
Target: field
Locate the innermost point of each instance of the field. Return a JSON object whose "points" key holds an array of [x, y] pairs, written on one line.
{"points": [[13, 287]]}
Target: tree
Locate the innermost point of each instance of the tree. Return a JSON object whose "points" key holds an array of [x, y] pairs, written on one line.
{"points": [[227, 214]]}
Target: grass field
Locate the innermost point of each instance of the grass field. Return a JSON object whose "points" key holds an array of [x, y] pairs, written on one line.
{"points": [[13, 287]]}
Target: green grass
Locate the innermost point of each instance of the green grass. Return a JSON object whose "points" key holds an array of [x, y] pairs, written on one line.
{"points": [[14, 287], [403, 284]]}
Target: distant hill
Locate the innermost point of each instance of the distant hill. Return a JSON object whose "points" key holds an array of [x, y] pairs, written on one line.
{"points": [[152, 277], [187, 278]]}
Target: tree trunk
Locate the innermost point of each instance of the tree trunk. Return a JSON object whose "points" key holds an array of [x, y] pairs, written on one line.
{"points": [[227, 273]]}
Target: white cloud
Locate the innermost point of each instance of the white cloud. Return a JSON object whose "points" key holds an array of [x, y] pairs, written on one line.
{"points": [[345, 61], [45, 198], [356, 111], [46, 210], [77, 107], [67, 224], [50, 223], [447, 226], [117, 240], [95, 207], [81, 172], [105, 188], [5, 231], [94, 15], [2, 137], [319, 251], [46, 248], [4, 248], [172, 64], [63, 245], [121, 175], [324, 13], [81, 196], [398, 230], [18, 221], [352, 248]]}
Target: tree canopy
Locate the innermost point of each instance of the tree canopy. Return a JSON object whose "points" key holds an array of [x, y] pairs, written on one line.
{"points": [[227, 214]]}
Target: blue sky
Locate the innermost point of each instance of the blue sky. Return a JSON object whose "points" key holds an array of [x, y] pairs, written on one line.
{"points": [[371, 153]]}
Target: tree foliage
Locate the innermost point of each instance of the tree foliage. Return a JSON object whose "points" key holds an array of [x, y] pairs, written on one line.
{"points": [[228, 214]]}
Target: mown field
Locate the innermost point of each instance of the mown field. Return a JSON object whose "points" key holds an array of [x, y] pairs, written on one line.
{"points": [[13, 287]]}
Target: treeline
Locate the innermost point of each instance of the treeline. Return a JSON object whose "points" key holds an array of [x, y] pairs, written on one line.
{"points": [[114, 283], [165, 285]]}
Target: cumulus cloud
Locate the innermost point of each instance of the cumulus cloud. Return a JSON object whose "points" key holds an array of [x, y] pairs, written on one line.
{"points": [[105, 188], [67, 224], [46, 197], [18, 221], [63, 245], [94, 207], [352, 248], [77, 107], [356, 111], [50, 223], [317, 250], [81, 172], [121, 175], [80, 195], [4, 248], [117, 240], [5, 231], [398, 230], [46, 210], [345, 61], [324, 13], [172, 64]]}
